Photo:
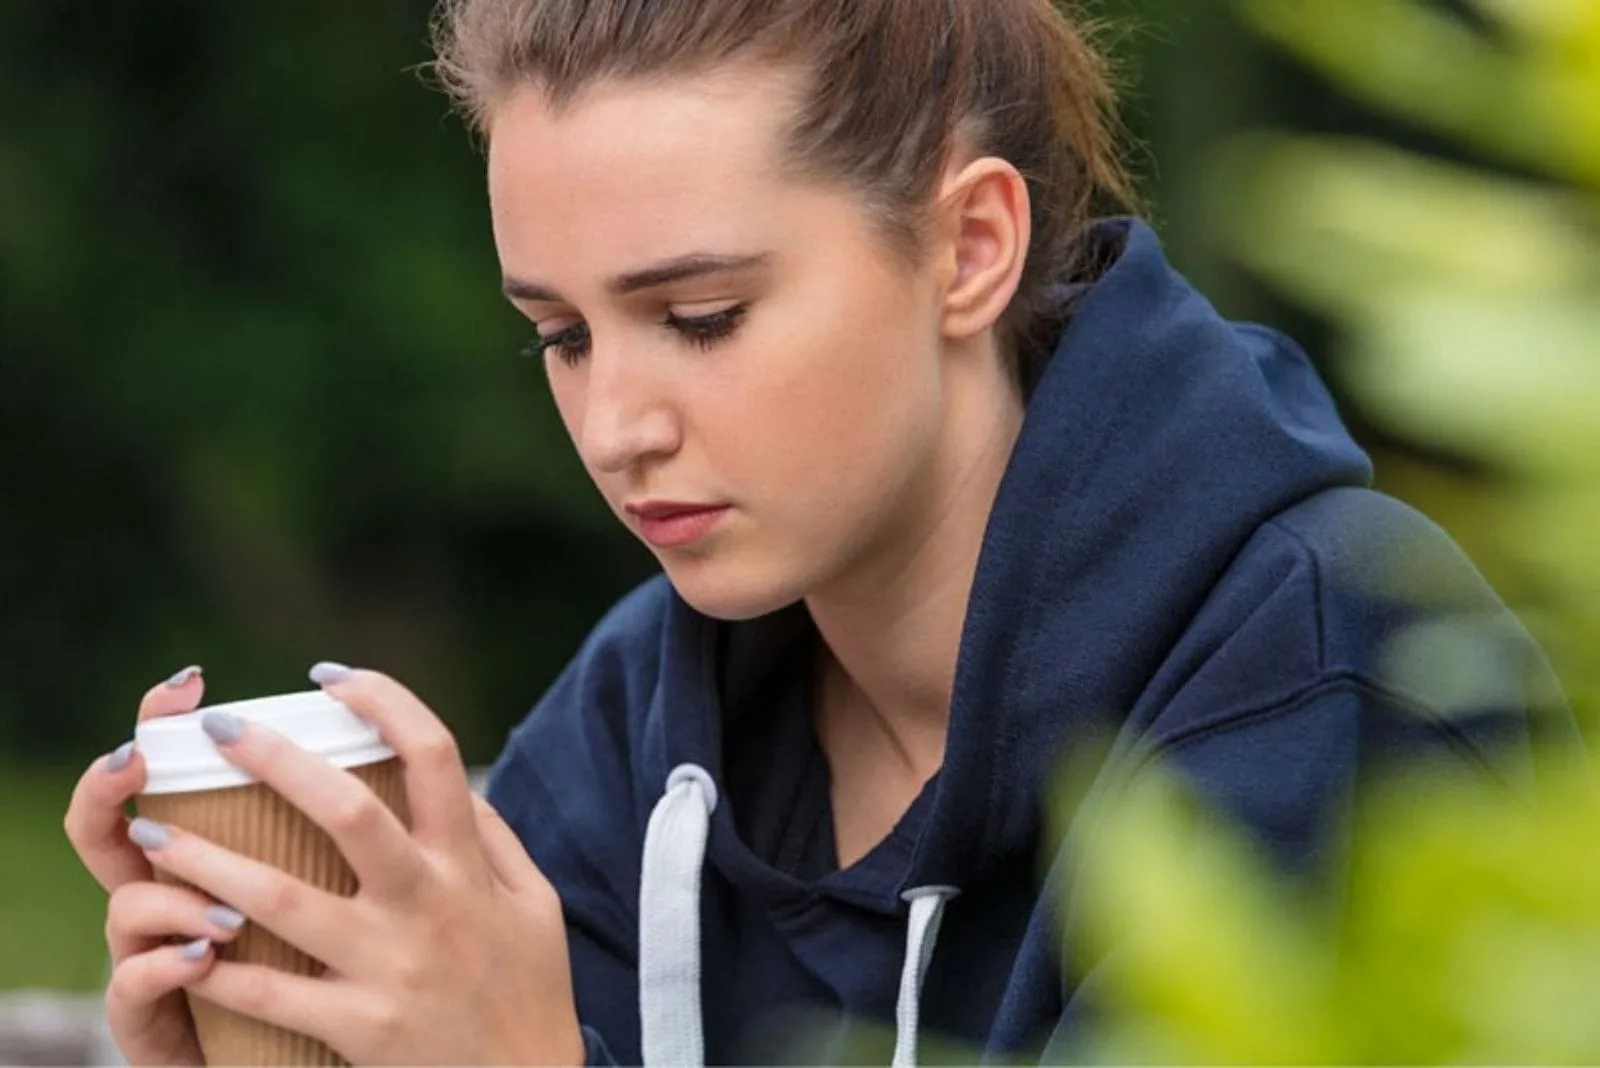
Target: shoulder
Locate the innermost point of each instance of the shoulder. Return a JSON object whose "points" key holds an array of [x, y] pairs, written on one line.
{"points": [[1351, 631], [1387, 586], [1350, 635]]}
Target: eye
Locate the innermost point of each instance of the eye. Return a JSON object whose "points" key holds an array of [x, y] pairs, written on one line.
{"points": [[706, 330], [571, 344]]}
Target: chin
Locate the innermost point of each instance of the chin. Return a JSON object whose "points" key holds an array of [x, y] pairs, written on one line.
{"points": [[717, 589]]}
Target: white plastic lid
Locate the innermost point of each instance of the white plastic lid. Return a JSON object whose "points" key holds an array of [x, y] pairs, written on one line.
{"points": [[182, 758]]}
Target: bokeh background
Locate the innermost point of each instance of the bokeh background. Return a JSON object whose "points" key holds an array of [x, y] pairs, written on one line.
{"points": [[261, 404]]}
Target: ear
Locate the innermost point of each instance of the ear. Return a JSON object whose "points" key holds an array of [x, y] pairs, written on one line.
{"points": [[984, 217]]}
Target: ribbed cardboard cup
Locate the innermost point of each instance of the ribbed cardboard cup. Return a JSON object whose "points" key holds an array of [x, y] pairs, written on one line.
{"points": [[192, 787]]}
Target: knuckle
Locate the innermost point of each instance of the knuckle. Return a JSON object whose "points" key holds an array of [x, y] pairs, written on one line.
{"points": [[439, 750], [117, 992], [252, 999], [116, 911], [132, 983], [285, 897], [412, 975], [356, 816], [385, 1022], [74, 821]]}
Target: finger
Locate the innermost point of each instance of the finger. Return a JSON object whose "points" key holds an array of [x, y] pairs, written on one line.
{"points": [[436, 779], [366, 831], [309, 918], [95, 823], [312, 919], [140, 981], [144, 914], [326, 1009], [507, 858], [179, 693]]}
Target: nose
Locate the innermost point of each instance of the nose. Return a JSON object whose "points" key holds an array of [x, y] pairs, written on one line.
{"points": [[627, 416]]}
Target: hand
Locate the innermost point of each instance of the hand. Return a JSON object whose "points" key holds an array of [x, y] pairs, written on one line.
{"points": [[453, 949], [145, 1007]]}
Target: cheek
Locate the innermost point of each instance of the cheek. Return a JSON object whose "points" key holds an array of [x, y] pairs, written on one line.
{"points": [[824, 400]]}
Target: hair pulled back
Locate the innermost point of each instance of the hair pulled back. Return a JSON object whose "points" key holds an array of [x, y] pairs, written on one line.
{"points": [[890, 85]]}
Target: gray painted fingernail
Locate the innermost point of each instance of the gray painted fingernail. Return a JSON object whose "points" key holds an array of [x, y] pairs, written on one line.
{"points": [[119, 757], [148, 834], [224, 917], [196, 949], [326, 673], [181, 677], [222, 727]]}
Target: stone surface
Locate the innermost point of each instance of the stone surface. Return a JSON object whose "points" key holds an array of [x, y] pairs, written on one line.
{"points": [[39, 1027]]}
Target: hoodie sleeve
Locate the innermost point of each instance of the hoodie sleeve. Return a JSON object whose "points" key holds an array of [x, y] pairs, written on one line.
{"points": [[1288, 778], [1385, 649], [1352, 638]]}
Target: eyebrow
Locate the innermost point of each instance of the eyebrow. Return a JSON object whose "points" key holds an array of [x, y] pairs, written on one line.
{"points": [[677, 269]]}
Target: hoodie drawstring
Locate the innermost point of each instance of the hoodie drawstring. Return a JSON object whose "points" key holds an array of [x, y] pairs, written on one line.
{"points": [[671, 1026], [669, 919], [922, 932]]}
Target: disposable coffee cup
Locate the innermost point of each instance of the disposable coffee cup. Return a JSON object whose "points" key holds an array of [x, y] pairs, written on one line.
{"points": [[191, 786]]}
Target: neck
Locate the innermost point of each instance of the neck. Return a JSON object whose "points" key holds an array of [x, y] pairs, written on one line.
{"points": [[891, 628]]}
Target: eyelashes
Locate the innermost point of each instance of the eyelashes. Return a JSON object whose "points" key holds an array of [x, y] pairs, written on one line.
{"points": [[706, 330], [571, 344], [702, 331]]}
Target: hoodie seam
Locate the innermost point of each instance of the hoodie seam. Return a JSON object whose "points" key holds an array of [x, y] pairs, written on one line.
{"points": [[1318, 596], [1347, 680]]}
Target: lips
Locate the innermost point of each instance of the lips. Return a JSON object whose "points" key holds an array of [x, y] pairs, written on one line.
{"points": [[671, 525]]}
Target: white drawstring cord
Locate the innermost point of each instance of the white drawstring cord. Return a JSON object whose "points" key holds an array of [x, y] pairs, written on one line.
{"points": [[671, 1024], [922, 932], [671, 1027]]}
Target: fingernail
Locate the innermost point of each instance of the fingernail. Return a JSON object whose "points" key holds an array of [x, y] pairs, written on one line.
{"points": [[119, 757], [148, 834], [222, 727], [326, 673], [181, 677], [224, 917], [196, 949]]}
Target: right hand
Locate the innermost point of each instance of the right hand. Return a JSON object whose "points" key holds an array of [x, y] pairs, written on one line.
{"points": [[146, 1009]]}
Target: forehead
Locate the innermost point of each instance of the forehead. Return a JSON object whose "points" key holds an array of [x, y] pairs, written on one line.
{"points": [[628, 166]]}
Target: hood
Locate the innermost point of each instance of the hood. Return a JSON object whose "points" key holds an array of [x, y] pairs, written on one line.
{"points": [[1158, 437]]}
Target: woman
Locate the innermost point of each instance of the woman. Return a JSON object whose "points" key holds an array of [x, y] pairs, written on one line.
{"points": [[946, 480]]}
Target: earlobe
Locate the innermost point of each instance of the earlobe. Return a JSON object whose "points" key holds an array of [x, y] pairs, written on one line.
{"points": [[988, 223]]}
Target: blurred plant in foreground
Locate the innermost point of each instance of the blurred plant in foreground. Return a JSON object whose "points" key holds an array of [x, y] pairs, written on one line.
{"points": [[1463, 927], [1465, 930], [1470, 303]]}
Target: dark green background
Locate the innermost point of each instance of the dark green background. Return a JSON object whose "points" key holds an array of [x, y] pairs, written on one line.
{"points": [[259, 400]]}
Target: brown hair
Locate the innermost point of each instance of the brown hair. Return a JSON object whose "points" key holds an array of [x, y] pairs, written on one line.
{"points": [[890, 84]]}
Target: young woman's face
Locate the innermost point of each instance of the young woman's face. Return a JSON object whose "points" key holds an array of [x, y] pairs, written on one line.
{"points": [[749, 373]]}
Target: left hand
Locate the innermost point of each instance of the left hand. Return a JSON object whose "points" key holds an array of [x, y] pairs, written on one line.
{"points": [[453, 948]]}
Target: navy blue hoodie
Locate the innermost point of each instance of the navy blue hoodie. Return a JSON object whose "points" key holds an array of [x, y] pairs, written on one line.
{"points": [[1183, 555]]}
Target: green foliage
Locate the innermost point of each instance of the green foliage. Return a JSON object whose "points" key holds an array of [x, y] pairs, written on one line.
{"points": [[1467, 927], [260, 396], [51, 911], [1470, 303], [1468, 931]]}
